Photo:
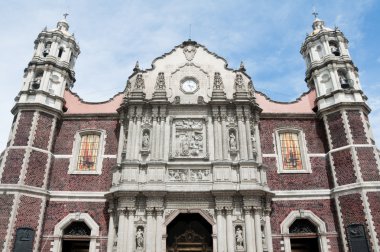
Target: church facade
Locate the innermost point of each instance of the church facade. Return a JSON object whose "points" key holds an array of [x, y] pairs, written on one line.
{"points": [[190, 157]]}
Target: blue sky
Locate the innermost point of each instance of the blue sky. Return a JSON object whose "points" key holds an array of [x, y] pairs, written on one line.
{"points": [[266, 35]]}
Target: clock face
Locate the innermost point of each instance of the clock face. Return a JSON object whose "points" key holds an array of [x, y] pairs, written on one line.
{"points": [[189, 86]]}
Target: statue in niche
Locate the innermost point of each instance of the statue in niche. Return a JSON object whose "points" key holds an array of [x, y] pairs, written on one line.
{"points": [[239, 238], [233, 144], [139, 238], [145, 140]]}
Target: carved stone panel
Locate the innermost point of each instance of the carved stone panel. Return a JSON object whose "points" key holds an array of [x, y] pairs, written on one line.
{"points": [[188, 139], [189, 175]]}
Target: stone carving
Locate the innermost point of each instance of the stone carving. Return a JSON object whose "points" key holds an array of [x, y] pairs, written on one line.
{"points": [[160, 82], [239, 83], [177, 100], [239, 238], [145, 139], [189, 50], [178, 175], [200, 175], [189, 138], [140, 238], [232, 141], [139, 84], [218, 82]]}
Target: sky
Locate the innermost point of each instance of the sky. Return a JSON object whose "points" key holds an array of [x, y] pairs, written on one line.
{"points": [[266, 35]]}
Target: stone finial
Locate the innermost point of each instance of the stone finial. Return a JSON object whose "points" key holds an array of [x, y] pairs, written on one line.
{"points": [[137, 67], [242, 68]]}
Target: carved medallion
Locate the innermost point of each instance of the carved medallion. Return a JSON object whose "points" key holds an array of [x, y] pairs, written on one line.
{"points": [[189, 50]]}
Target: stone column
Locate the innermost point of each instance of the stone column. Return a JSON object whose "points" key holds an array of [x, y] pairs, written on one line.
{"points": [[248, 136], [111, 231], [258, 234], [242, 140], [121, 236], [224, 134], [219, 223], [129, 138], [159, 213], [150, 230], [230, 230], [248, 229], [131, 230], [138, 138], [162, 140], [268, 230]]}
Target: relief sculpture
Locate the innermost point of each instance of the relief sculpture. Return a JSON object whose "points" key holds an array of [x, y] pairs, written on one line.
{"points": [[189, 138]]}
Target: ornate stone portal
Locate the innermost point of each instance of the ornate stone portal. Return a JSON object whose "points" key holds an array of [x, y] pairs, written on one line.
{"points": [[189, 153]]}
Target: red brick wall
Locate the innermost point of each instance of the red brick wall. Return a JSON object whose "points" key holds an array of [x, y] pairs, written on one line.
{"points": [[324, 209], [318, 179], [313, 129], [12, 166], [66, 132], [43, 131], [357, 127], [344, 167], [56, 211], [23, 128], [352, 211], [35, 172], [6, 204], [336, 127], [374, 205], [368, 165], [27, 215], [62, 181]]}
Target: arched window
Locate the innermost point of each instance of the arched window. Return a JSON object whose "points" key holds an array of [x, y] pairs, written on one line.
{"points": [[76, 237], [46, 50], [344, 81], [334, 48], [60, 52], [36, 82]]}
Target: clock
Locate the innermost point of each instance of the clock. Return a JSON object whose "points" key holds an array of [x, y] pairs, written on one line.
{"points": [[189, 86]]}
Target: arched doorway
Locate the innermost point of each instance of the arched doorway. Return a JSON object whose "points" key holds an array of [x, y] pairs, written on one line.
{"points": [[304, 236], [76, 237], [189, 232]]}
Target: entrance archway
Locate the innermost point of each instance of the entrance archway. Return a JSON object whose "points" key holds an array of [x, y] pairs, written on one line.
{"points": [[76, 237], [189, 232]]}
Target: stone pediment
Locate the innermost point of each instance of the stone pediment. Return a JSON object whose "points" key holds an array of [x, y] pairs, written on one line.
{"points": [[186, 75]]}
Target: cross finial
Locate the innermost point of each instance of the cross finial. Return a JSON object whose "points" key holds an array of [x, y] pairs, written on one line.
{"points": [[315, 13], [190, 32], [65, 15]]}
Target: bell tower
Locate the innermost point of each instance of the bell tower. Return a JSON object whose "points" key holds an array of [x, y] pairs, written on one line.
{"points": [[352, 155], [51, 69], [25, 167]]}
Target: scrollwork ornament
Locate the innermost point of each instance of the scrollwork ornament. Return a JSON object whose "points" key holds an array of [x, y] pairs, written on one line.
{"points": [[139, 84], [218, 82], [239, 83], [160, 82]]}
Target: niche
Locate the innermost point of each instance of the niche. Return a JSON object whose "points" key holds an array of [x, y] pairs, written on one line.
{"points": [[320, 52], [232, 141]]}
